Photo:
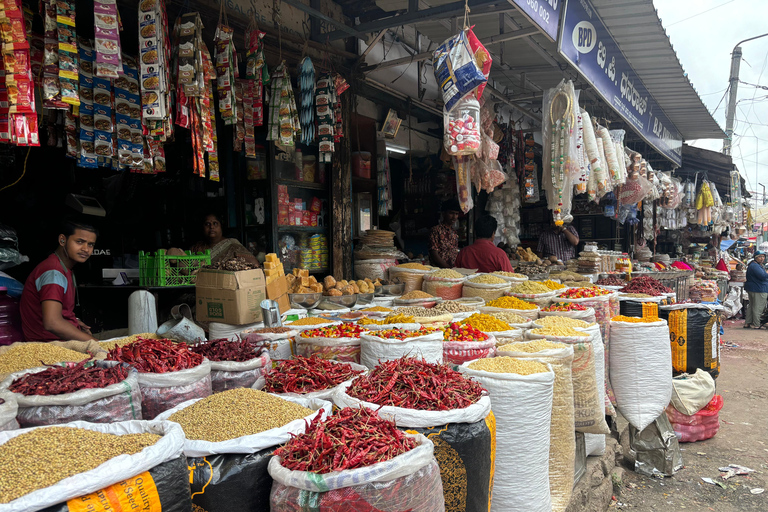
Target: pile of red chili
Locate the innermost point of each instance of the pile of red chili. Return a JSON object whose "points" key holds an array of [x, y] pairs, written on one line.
{"points": [[401, 334], [225, 350], [350, 439], [646, 284], [416, 384], [611, 281], [566, 306], [156, 356], [459, 332], [345, 330], [58, 380], [307, 374]]}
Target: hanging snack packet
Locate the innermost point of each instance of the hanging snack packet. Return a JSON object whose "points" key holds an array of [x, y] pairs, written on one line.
{"points": [[456, 71], [482, 59]]}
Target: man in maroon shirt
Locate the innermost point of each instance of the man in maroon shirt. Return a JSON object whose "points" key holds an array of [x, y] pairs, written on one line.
{"points": [[48, 300], [483, 254]]}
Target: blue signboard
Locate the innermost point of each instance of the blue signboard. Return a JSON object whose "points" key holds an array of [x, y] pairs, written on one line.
{"points": [[586, 43], [545, 14]]}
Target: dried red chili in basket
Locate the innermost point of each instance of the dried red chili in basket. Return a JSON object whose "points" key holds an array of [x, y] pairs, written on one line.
{"points": [[307, 374], [350, 439], [646, 284], [225, 350], [57, 380], [156, 356], [416, 384]]}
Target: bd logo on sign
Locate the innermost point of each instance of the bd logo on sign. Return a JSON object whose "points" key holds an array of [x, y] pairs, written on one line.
{"points": [[584, 37]]}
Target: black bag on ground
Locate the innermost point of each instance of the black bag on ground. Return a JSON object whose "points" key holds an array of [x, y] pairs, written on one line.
{"points": [[168, 486]]}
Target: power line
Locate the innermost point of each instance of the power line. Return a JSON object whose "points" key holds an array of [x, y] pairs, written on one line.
{"points": [[699, 14]]}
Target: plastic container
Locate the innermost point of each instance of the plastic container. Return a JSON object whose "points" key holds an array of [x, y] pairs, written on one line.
{"points": [[10, 319], [361, 164], [160, 269]]}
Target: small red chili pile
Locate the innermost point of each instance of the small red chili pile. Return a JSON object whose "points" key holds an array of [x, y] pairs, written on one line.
{"points": [[345, 330], [646, 284], [307, 374], [459, 332], [225, 350], [156, 356], [416, 384], [58, 380], [565, 306], [584, 293], [611, 281], [351, 438], [401, 334]]}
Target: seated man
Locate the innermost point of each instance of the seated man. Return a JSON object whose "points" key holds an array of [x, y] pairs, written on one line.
{"points": [[48, 300], [483, 254]]}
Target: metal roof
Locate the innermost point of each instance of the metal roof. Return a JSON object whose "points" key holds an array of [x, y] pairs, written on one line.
{"points": [[636, 27]]}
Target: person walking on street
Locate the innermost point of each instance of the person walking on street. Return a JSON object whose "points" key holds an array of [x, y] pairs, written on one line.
{"points": [[757, 289]]}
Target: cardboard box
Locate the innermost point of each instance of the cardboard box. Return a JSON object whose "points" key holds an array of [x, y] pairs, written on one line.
{"points": [[230, 297]]}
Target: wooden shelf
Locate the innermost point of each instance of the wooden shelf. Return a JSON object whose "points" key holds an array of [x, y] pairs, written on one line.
{"points": [[301, 229], [303, 184]]}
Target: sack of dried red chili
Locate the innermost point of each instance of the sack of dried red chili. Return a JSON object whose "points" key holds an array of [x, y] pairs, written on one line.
{"points": [[169, 373], [408, 481], [118, 398], [394, 344], [8, 410], [231, 363], [308, 377]]}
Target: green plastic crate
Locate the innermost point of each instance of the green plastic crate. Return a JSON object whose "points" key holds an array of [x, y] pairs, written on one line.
{"points": [[157, 270]]}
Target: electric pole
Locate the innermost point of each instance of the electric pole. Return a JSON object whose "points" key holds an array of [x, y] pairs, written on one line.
{"points": [[733, 85]]}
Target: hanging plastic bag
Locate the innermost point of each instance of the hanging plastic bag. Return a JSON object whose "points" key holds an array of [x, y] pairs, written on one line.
{"points": [[456, 70], [482, 59], [461, 127], [462, 165]]}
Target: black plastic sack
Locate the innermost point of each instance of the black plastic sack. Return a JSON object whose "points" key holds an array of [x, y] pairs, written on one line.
{"points": [[641, 308], [694, 333], [466, 455], [231, 482], [166, 484]]}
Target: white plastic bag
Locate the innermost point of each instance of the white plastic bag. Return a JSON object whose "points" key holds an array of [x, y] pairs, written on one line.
{"points": [[255, 442], [162, 391], [336, 349], [374, 348], [456, 70], [410, 481], [522, 405], [596, 442], [117, 402], [238, 374], [587, 315], [277, 344], [641, 370], [120, 468], [691, 393], [8, 410], [459, 352]]}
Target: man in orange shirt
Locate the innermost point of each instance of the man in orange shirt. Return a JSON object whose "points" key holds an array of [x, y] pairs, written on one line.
{"points": [[483, 254]]}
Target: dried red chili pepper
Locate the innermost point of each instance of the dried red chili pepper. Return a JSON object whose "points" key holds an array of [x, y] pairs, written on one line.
{"points": [[156, 356], [57, 380], [350, 439], [307, 374], [647, 285], [225, 350], [416, 384]]}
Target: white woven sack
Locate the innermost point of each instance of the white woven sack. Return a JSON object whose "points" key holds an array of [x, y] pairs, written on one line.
{"points": [[277, 344], [325, 394], [218, 330], [255, 442], [533, 314], [641, 370], [384, 327], [416, 418], [588, 315], [596, 442], [508, 336], [8, 410], [120, 468], [522, 405], [374, 349], [302, 328], [691, 393], [562, 447]]}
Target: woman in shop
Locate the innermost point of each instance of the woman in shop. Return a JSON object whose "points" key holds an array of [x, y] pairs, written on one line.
{"points": [[757, 289], [222, 249]]}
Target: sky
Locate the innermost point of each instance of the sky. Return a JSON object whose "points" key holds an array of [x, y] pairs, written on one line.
{"points": [[703, 33]]}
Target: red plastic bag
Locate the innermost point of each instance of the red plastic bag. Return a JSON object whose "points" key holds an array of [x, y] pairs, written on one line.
{"points": [[482, 59], [697, 427]]}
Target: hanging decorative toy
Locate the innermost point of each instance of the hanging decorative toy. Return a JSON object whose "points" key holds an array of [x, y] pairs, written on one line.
{"points": [[562, 122]]}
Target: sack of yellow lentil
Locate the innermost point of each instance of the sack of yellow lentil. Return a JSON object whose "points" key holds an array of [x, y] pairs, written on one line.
{"points": [[231, 475], [135, 470], [588, 406], [117, 402], [522, 405], [640, 369], [438, 285], [562, 443], [375, 348], [464, 446], [8, 410]]}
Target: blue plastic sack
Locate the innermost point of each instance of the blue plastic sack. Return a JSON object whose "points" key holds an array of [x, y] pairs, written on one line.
{"points": [[14, 287], [456, 71]]}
